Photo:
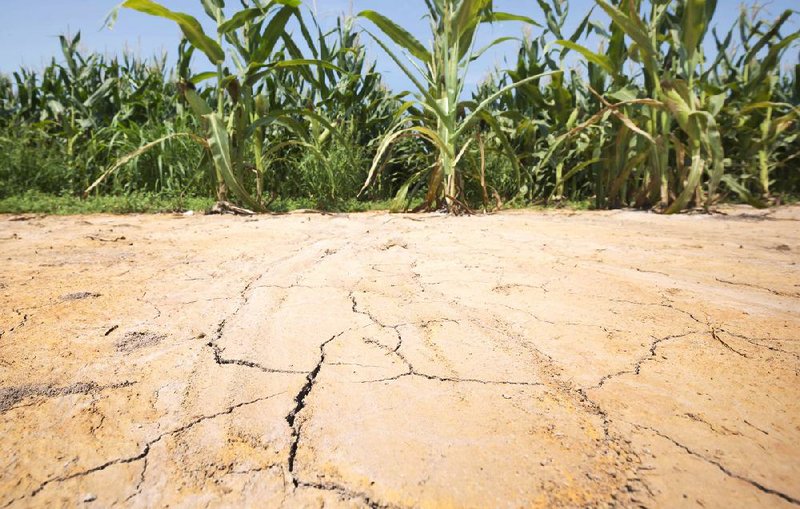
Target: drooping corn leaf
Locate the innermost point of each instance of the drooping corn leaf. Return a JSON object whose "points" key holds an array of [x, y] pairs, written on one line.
{"points": [[189, 25]]}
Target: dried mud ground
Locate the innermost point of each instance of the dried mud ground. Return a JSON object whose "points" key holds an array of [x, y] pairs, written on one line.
{"points": [[524, 359]]}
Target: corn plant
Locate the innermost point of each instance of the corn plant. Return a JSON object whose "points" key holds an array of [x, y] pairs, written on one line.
{"points": [[439, 77], [762, 110], [340, 109], [667, 45], [253, 35], [535, 114], [77, 114]]}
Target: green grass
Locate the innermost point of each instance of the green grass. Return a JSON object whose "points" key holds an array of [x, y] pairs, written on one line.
{"points": [[34, 202], [349, 205], [39, 203]]}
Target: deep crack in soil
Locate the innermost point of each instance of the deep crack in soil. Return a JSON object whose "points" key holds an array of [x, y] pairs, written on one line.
{"points": [[145, 450]]}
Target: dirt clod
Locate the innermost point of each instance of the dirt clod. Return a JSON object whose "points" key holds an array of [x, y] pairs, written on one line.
{"points": [[80, 296], [10, 396], [135, 340]]}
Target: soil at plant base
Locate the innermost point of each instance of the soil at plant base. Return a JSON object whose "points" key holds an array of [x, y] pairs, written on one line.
{"points": [[526, 359]]}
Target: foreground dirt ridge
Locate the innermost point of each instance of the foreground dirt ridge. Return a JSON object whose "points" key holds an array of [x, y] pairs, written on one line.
{"points": [[518, 360]]}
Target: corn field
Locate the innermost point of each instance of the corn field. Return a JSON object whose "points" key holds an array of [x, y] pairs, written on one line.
{"points": [[628, 110]]}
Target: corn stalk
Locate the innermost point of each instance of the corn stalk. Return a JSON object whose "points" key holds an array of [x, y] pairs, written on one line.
{"points": [[439, 75], [239, 116]]}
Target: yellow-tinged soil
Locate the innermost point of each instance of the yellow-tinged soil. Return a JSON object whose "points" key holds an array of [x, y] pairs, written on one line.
{"points": [[523, 359]]}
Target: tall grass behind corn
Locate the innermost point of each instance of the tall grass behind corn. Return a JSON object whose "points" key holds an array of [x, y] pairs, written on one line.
{"points": [[62, 126]]}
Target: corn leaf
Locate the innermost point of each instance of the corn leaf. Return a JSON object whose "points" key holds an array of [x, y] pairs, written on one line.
{"points": [[189, 25], [396, 33], [601, 60], [219, 143]]}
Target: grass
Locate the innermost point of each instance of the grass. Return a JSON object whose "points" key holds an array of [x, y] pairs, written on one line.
{"points": [[40, 203], [34, 202]]}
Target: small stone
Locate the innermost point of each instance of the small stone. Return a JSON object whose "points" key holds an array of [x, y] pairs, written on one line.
{"points": [[89, 497]]}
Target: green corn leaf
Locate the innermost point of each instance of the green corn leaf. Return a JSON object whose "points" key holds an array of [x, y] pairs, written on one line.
{"points": [[430, 101], [507, 16], [512, 157], [219, 143], [771, 61], [397, 34], [240, 19], [213, 7], [387, 142], [275, 29], [122, 161], [467, 122], [632, 163], [624, 94], [694, 26], [467, 16], [635, 29], [189, 25], [712, 141], [771, 34], [601, 60], [695, 175], [101, 92], [571, 173], [731, 182], [477, 54], [198, 106], [256, 72], [680, 110], [203, 76]]}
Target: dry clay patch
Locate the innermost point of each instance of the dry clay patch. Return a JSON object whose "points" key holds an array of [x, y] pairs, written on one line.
{"points": [[519, 360]]}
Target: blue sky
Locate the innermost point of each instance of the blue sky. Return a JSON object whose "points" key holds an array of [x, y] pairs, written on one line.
{"points": [[29, 35]]}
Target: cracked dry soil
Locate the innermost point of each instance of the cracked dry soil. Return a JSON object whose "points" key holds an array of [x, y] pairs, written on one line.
{"points": [[517, 360]]}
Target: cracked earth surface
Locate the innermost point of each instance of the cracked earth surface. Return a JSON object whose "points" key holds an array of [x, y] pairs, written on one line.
{"points": [[517, 360]]}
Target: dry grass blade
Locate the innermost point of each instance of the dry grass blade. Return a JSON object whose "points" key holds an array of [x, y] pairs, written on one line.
{"points": [[138, 152]]}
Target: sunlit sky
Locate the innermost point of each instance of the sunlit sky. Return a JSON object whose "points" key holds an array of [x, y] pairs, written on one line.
{"points": [[30, 29]]}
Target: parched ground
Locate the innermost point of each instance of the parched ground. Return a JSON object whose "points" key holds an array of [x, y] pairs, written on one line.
{"points": [[518, 360]]}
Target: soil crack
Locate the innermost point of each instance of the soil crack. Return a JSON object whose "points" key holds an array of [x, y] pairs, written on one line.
{"points": [[758, 287], [346, 493], [757, 342], [723, 343], [217, 350], [222, 361], [636, 369], [142, 455], [410, 370], [300, 403], [451, 379], [723, 468]]}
